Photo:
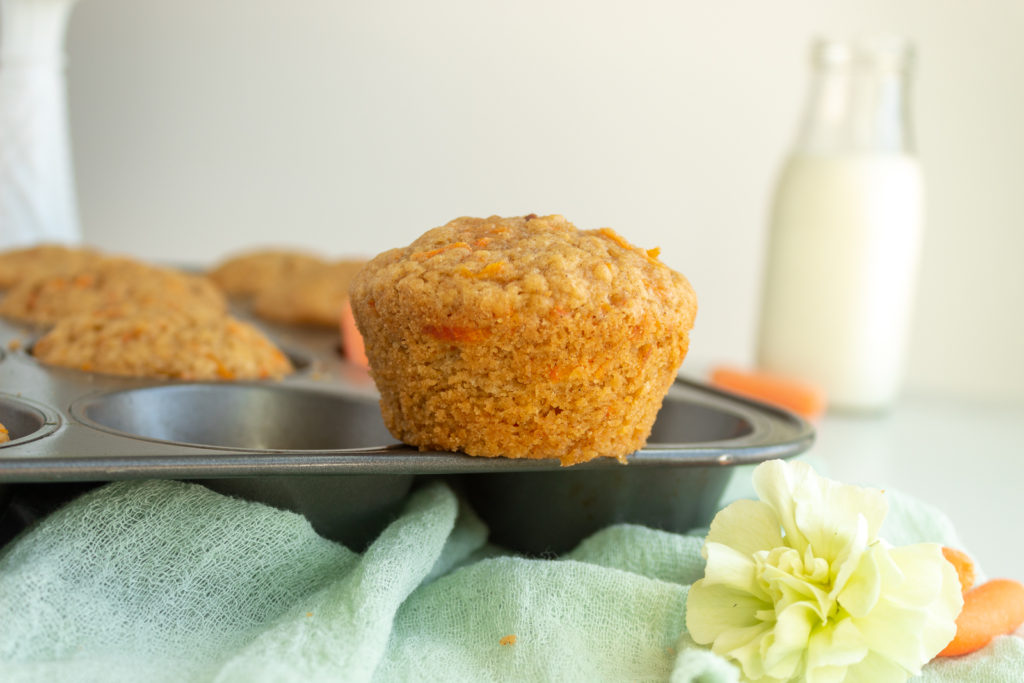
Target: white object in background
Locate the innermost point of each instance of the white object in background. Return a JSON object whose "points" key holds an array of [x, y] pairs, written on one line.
{"points": [[845, 231], [37, 194]]}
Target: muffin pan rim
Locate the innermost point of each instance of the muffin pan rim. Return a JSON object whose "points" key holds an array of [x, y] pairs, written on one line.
{"points": [[131, 457], [51, 419], [74, 451], [78, 407]]}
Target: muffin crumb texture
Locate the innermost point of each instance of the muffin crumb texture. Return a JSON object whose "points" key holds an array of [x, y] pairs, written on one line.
{"points": [[250, 273], [162, 344], [116, 315], [313, 298], [44, 260], [523, 337], [111, 283]]}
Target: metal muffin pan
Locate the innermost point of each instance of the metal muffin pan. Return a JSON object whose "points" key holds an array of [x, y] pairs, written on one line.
{"points": [[25, 420], [315, 443]]}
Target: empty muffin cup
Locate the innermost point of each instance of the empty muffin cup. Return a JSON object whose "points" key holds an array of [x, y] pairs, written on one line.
{"points": [[24, 420], [249, 417]]}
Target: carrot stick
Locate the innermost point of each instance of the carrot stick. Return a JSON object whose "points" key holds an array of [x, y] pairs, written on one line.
{"points": [[992, 609], [964, 567], [800, 397], [351, 340]]}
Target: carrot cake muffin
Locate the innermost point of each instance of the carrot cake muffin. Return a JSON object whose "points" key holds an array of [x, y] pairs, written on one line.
{"points": [[523, 337], [248, 274], [29, 263], [162, 344], [113, 283], [314, 297]]}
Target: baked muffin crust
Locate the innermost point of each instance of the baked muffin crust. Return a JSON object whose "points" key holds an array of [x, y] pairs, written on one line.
{"points": [[313, 297], [252, 272], [124, 284], [44, 260], [164, 345], [523, 337]]}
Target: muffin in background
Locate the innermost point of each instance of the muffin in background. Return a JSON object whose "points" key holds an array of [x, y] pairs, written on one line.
{"points": [[523, 337], [112, 283], [162, 344], [314, 297], [249, 273], [44, 260]]}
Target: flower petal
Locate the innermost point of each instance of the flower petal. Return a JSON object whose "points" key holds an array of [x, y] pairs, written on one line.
{"points": [[924, 575], [729, 567], [907, 626], [849, 559], [894, 632], [875, 668], [826, 674], [860, 593], [829, 514], [746, 525], [713, 609], [788, 641], [944, 606], [815, 510], [799, 587], [835, 648], [745, 645], [781, 575], [774, 481]]}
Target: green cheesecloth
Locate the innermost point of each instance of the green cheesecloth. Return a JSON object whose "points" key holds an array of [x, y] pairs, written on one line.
{"points": [[169, 581]]}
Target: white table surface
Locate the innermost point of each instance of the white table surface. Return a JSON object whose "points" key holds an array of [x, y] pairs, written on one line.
{"points": [[964, 456]]}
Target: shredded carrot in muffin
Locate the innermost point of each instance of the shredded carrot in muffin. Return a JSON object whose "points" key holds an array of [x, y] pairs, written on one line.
{"points": [[424, 255]]}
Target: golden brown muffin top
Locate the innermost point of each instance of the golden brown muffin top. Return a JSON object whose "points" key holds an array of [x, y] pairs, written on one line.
{"points": [[43, 260], [314, 296], [122, 284], [496, 267], [162, 344], [252, 272]]}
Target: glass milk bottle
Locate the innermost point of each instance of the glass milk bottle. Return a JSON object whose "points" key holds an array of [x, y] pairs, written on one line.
{"points": [[845, 230]]}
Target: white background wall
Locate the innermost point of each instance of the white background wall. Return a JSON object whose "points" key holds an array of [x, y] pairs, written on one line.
{"points": [[204, 126]]}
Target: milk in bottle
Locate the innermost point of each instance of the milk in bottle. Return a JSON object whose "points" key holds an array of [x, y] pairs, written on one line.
{"points": [[845, 230]]}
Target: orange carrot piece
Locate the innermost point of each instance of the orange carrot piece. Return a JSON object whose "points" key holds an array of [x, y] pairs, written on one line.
{"points": [[802, 398], [456, 333], [351, 340], [424, 255], [964, 567], [992, 609], [490, 270], [615, 237]]}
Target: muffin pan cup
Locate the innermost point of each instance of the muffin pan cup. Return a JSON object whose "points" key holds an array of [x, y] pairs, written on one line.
{"points": [[315, 443]]}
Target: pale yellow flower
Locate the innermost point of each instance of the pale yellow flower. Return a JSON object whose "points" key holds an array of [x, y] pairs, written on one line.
{"points": [[798, 586]]}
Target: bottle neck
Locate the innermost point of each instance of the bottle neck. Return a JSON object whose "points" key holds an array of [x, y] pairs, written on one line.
{"points": [[858, 101]]}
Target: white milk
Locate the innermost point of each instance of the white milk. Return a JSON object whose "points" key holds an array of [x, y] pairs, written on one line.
{"points": [[841, 267]]}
